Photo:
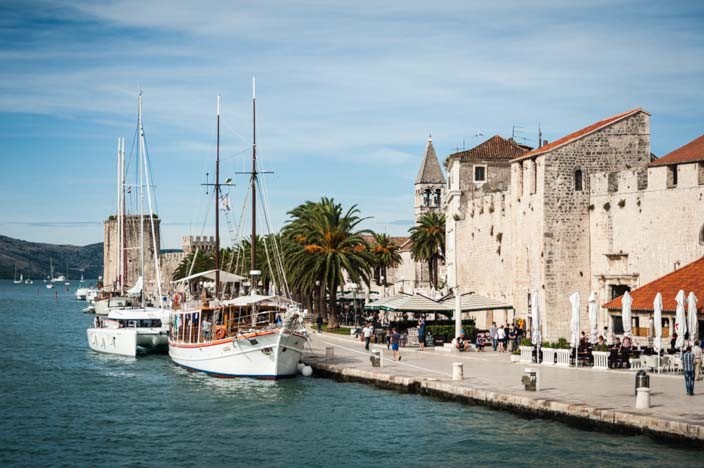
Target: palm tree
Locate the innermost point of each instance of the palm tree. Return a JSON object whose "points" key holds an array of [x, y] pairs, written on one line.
{"points": [[203, 262], [324, 245], [428, 238], [386, 255]]}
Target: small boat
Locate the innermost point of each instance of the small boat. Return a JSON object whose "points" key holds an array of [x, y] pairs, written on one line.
{"points": [[81, 294], [125, 331], [49, 285], [28, 281], [17, 281]]}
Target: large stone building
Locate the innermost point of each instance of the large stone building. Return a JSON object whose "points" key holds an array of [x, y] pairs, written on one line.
{"points": [[588, 212]]}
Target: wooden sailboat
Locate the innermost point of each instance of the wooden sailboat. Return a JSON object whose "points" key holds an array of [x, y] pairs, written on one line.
{"points": [[239, 337]]}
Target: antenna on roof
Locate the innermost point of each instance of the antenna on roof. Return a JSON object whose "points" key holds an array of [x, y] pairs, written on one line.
{"points": [[540, 136]]}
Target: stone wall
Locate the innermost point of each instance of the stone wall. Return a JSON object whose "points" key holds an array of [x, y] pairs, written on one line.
{"points": [[639, 235], [132, 246]]}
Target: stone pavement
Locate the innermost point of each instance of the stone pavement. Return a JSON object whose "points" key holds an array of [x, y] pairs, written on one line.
{"points": [[596, 398]]}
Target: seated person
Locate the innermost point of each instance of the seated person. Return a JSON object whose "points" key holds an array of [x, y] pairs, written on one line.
{"points": [[481, 342], [627, 343], [462, 344]]}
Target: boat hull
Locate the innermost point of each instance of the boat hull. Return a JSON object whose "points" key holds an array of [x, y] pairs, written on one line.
{"points": [[271, 355], [125, 341]]}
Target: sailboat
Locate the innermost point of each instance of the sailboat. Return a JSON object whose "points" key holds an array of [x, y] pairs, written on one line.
{"points": [[17, 281], [241, 337], [50, 283], [126, 329]]}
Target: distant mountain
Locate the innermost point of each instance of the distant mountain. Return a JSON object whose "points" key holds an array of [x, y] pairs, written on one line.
{"points": [[32, 259]]}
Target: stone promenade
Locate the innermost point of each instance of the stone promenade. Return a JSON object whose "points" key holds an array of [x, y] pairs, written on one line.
{"points": [[585, 397]]}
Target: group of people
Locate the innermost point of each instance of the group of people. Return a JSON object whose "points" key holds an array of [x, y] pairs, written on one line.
{"points": [[505, 337], [393, 340]]}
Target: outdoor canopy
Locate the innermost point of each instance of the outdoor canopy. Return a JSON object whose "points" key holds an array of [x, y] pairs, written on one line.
{"points": [[420, 303], [225, 277]]}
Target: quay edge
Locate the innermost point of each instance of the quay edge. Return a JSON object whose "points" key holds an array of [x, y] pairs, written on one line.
{"points": [[578, 415]]}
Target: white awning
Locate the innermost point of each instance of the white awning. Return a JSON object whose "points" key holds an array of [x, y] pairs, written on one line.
{"points": [[258, 299], [475, 302], [225, 277]]}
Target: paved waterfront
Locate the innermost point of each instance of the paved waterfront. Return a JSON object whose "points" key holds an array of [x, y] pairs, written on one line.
{"points": [[606, 396]]}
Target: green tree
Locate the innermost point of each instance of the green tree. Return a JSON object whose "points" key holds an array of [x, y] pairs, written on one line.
{"points": [[386, 254], [204, 261], [324, 245], [428, 238]]}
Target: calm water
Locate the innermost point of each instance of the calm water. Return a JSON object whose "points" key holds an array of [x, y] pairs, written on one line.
{"points": [[61, 404]]}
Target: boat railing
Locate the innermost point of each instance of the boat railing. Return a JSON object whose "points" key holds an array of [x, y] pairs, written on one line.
{"points": [[189, 331]]}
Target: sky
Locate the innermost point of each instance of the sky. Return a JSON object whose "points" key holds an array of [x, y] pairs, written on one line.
{"points": [[347, 94]]}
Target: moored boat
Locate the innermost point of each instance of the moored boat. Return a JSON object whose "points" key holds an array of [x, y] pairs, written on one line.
{"points": [[125, 331]]}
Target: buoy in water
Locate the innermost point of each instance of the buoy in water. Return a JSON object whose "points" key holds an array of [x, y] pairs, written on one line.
{"points": [[300, 366], [307, 371]]}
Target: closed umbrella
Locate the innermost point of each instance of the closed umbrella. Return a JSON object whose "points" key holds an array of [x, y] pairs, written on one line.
{"points": [[535, 335], [680, 322], [626, 302], [692, 322], [593, 319], [574, 324], [657, 318]]}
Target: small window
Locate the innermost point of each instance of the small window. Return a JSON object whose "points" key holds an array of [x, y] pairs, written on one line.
{"points": [[479, 173], [578, 183], [700, 173], [426, 197], [534, 176], [701, 235], [437, 197], [672, 176]]}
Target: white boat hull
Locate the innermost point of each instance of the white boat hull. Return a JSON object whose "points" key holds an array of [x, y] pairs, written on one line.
{"points": [[269, 356], [125, 341]]}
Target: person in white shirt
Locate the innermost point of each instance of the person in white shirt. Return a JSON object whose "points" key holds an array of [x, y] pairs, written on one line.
{"points": [[367, 332], [501, 335], [697, 351]]}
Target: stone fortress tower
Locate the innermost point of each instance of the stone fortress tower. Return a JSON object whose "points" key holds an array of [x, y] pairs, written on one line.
{"points": [[132, 250]]}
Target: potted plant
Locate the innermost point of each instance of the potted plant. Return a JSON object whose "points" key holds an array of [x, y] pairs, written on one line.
{"points": [[601, 357], [526, 350], [548, 350], [562, 352]]}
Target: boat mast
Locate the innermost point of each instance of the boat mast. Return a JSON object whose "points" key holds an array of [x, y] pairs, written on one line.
{"points": [[141, 195], [254, 181], [123, 234], [118, 274], [217, 206]]}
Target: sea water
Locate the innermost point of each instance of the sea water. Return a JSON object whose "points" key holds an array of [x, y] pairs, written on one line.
{"points": [[63, 405]]}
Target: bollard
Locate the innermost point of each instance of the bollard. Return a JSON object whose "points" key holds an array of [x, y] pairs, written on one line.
{"points": [[375, 358], [642, 380], [457, 371], [531, 379], [643, 398], [329, 353]]}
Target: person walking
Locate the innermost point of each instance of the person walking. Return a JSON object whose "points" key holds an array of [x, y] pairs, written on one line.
{"points": [[688, 369], [501, 337], [494, 334], [421, 333], [367, 333], [319, 323], [395, 340]]}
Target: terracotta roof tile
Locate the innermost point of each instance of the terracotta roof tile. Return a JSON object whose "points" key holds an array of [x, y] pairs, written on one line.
{"points": [[494, 148], [691, 152], [690, 278], [579, 134]]}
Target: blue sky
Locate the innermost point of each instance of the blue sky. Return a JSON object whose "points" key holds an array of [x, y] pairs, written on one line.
{"points": [[347, 93]]}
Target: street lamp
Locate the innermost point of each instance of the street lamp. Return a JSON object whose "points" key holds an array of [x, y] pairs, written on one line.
{"points": [[354, 300], [383, 286], [317, 297]]}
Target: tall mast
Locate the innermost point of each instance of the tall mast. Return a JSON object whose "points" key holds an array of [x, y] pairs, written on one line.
{"points": [[254, 178], [217, 206], [123, 251], [141, 194], [119, 218]]}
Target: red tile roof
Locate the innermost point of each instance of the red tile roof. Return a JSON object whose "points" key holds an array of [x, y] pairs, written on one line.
{"points": [[494, 148], [691, 152], [396, 240], [579, 134], [689, 278]]}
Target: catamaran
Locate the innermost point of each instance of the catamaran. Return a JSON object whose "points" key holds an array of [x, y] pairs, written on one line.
{"points": [[255, 335], [119, 327]]}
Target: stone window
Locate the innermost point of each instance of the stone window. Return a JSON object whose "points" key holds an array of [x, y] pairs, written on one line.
{"points": [[701, 173], [643, 179], [436, 198], [426, 197], [613, 182], [519, 179], [701, 235], [533, 176], [578, 180], [479, 173], [672, 176]]}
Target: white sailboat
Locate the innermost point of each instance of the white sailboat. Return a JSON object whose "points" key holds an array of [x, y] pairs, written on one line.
{"points": [[50, 283], [241, 337], [17, 281], [126, 328]]}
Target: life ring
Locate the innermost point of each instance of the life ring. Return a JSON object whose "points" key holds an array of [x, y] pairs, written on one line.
{"points": [[177, 298], [220, 333]]}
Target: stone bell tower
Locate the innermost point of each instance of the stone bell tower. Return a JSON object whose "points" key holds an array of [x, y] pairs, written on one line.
{"points": [[430, 184]]}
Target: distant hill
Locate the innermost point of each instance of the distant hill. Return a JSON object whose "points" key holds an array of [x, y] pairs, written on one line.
{"points": [[32, 259]]}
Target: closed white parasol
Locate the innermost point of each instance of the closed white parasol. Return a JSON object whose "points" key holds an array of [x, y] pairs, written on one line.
{"points": [[680, 321], [626, 302], [535, 333], [574, 324], [593, 319], [657, 319], [692, 322]]}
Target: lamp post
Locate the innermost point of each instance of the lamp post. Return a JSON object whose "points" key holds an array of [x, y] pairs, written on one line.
{"points": [[317, 297], [383, 286], [354, 300]]}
